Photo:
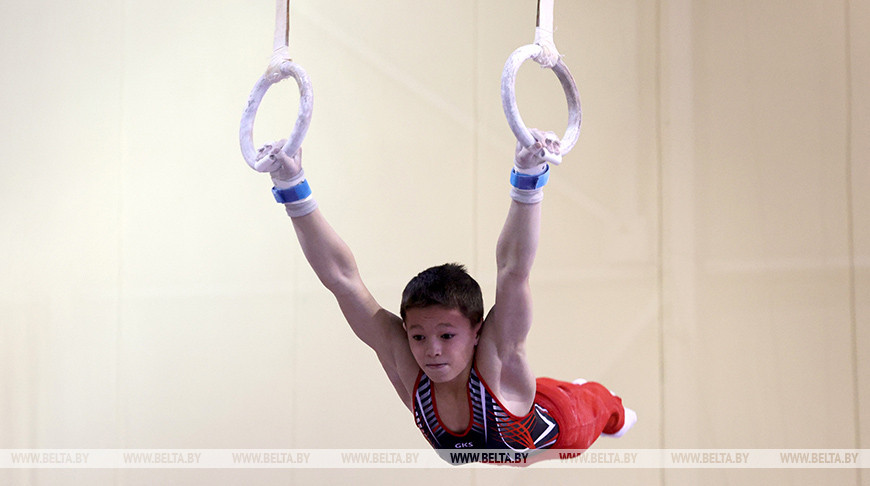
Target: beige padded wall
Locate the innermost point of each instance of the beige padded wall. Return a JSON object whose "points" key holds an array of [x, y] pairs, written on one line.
{"points": [[859, 110], [766, 358], [60, 172], [705, 248]]}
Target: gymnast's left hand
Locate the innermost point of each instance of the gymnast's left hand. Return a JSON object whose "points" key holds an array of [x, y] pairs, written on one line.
{"points": [[283, 169]]}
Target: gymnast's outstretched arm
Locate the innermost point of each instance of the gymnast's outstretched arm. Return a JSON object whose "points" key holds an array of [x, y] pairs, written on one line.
{"points": [[504, 333], [333, 262]]}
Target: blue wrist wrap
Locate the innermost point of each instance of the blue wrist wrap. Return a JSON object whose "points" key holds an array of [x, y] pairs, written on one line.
{"points": [[529, 182], [292, 194]]}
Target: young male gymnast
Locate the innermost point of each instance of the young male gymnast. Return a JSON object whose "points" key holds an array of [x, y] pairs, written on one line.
{"points": [[466, 378]]}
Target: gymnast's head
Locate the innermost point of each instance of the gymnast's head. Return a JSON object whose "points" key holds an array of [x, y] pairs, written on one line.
{"points": [[449, 286], [442, 311]]}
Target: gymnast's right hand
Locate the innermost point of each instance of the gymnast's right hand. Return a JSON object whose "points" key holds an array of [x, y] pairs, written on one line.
{"points": [[283, 169], [535, 158]]}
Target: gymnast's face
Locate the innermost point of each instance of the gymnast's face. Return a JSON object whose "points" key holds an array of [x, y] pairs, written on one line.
{"points": [[442, 341]]}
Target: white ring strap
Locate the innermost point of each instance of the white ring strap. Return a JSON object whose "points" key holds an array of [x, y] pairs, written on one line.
{"points": [[544, 52], [280, 68], [282, 24]]}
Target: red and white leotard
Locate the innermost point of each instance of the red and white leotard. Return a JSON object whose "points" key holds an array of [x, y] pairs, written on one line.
{"points": [[563, 416], [490, 427]]}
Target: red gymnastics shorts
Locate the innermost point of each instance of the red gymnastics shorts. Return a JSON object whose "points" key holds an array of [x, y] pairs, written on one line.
{"points": [[583, 412]]}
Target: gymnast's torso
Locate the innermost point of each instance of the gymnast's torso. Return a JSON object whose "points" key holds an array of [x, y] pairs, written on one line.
{"points": [[491, 425]]}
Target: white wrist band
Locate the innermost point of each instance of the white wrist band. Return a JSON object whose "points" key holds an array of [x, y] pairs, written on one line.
{"points": [[301, 208], [527, 196]]}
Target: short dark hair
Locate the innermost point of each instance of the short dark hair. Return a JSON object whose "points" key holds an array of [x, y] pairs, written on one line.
{"points": [[447, 285]]}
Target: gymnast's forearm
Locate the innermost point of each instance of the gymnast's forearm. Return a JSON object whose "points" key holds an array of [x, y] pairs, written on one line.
{"points": [[518, 242], [326, 252], [334, 264], [329, 256]]}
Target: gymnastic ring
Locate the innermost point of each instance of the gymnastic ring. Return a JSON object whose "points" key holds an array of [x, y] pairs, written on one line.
{"points": [[303, 119], [509, 98]]}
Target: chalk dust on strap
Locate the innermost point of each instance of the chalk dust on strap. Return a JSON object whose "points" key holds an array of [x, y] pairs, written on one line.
{"points": [[549, 55]]}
